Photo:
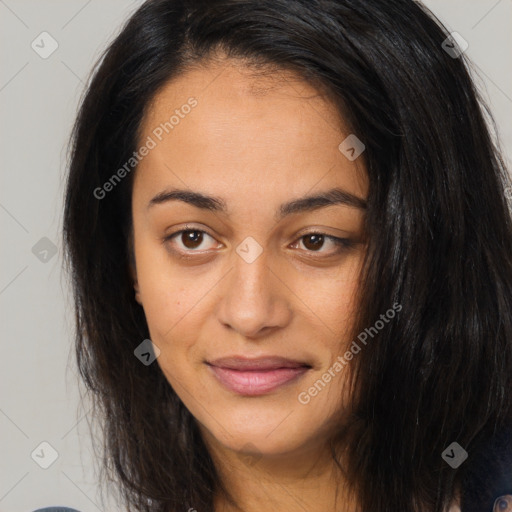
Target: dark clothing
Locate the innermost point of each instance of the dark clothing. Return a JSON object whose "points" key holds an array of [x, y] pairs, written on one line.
{"points": [[490, 476]]}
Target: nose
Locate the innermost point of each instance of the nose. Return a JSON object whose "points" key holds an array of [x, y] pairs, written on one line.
{"points": [[254, 299]]}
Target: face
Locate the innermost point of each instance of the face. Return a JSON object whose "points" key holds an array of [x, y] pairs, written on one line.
{"points": [[247, 282]]}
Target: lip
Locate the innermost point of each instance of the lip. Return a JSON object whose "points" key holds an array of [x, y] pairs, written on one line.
{"points": [[252, 377]]}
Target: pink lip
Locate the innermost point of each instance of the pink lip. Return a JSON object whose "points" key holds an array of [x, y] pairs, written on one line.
{"points": [[253, 377]]}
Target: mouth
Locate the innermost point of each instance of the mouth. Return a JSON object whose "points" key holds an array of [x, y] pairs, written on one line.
{"points": [[253, 377]]}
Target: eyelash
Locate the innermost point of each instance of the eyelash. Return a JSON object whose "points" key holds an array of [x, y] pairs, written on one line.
{"points": [[343, 244]]}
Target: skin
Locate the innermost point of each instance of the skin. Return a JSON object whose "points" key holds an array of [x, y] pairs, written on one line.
{"points": [[256, 142]]}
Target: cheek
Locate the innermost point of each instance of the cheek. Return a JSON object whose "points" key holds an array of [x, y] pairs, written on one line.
{"points": [[176, 302], [332, 307], [333, 299], [167, 294]]}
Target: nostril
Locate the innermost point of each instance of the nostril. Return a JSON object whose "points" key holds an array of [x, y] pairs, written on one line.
{"points": [[503, 504]]}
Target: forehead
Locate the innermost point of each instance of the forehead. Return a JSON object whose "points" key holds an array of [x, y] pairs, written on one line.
{"points": [[237, 79], [268, 129]]}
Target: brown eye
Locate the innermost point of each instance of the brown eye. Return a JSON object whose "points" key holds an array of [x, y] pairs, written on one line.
{"points": [[315, 242], [188, 240], [191, 239]]}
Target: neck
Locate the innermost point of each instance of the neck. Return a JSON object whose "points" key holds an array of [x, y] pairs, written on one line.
{"points": [[305, 480]]}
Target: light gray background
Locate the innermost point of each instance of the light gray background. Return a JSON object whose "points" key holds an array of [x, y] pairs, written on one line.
{"points": [[39, 399]]}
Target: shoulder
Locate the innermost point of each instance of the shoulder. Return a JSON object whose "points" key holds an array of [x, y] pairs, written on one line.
{"points": [[56, 509]]}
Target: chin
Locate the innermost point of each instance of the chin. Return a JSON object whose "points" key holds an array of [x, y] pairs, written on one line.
{"points": [[263, 434], [259, 444]]}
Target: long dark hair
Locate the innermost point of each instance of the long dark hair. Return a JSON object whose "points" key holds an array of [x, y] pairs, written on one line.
{"points": [[439, 244]]}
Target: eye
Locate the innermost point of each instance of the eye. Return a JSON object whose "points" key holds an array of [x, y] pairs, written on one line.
{"points": [[196, 240], [189, 240], [314, 242]]}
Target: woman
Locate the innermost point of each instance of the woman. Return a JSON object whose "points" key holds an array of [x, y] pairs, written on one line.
{"points": [[287, 229]]}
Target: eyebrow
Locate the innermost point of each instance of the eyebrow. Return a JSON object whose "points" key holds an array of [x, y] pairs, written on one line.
{"points": [[303, 204]]}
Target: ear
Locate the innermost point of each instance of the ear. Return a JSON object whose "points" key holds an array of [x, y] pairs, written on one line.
{"points": [[133, 274], [133, 270]]}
